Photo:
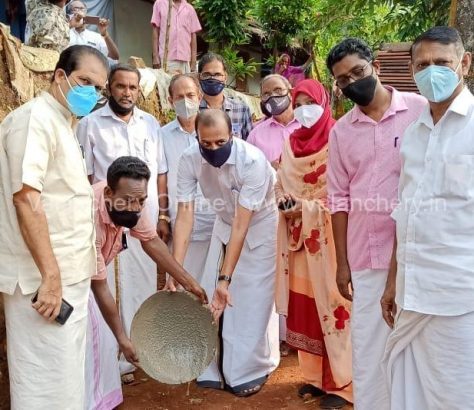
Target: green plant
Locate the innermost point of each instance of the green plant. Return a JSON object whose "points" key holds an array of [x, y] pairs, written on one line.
{"points": [[225, 21], [282, 20], [237, 66]]}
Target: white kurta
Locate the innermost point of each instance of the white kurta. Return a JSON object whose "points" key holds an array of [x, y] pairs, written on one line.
{"points": [[250, 327], [104, 137]]}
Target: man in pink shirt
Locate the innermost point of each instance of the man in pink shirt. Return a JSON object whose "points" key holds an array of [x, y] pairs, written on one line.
{"points": [[120, 203], [182, 46], [270, 134], [363, 172]]}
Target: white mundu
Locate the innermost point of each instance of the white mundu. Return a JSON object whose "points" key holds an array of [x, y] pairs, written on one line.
{"points": [[430, 353], [105, 137], [250, 326], [175, 141]]}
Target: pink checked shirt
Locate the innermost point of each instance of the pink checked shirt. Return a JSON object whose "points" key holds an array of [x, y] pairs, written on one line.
{"points": [[269, 135], [363, 173], [184, 22], [109, 237]]}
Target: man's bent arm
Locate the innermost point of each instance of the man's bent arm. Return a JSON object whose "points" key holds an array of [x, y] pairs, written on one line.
{"points": [[240, 227], [183, 228], [111, 47], [108, 308], [163, 228], [34, 230], [158, 251]]}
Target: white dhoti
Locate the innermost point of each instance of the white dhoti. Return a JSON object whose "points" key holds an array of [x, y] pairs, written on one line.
{"points": [[429, 362], [369, 337], [103, 384], [250, 327], [138, 280], [138, 276], [46, 360]]}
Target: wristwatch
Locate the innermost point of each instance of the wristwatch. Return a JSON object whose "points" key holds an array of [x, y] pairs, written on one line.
{"points": [[224, 277], [164, 218]]}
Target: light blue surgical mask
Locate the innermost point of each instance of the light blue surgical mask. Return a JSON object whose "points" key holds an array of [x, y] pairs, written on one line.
{"points": [[81, 99], [437, 83]]}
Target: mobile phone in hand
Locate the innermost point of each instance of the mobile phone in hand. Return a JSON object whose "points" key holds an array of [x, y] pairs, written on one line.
{"points": [[64, 313], [286, 205], [95, 20]]}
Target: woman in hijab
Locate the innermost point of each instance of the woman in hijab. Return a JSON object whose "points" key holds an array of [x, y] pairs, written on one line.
{"points": [[317, 315], [294, 74]]}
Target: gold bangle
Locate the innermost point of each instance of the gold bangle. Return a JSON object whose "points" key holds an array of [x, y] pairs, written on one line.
{"points": [[164, 218]]}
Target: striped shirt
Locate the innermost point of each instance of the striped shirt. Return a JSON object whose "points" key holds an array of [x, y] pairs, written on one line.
{"points": [[239, 113]]}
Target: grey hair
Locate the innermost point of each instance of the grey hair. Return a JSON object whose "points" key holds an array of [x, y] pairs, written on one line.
{"points": [[270, 76]]}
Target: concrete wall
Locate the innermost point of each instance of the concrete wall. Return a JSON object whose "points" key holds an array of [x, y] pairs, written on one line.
{"points": [[133, 29]]}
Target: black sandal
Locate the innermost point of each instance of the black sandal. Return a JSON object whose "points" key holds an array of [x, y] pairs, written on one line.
{"points": [[332, 401], [309, 389], [249, 391]]}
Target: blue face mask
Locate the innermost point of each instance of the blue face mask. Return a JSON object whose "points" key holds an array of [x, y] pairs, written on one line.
{"points": [[81, 99], [212, 86], [437, 83], [216, 157]]}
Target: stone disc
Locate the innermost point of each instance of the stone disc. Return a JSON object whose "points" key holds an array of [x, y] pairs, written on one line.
{"points": [[174, 337]]}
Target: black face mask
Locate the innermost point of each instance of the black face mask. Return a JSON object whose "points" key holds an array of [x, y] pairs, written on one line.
{"points": [[277, 104], [265, 112], [118, 109], [128, 219], [217, 157], [361, 91], [212, 86]]}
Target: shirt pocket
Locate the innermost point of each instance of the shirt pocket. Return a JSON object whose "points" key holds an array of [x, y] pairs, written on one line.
{"points": [[146, 150], [457, 179]]}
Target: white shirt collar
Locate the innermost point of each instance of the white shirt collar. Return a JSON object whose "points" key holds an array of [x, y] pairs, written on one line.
{"points": [[107, 112], [460, 105]]}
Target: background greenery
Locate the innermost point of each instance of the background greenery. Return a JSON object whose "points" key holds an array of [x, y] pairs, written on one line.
{"points": [[313, 24]]}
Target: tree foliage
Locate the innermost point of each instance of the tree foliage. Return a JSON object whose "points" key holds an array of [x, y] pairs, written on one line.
{"points": [[225, 21], [323, 23], [283, 20], [318, 24]]}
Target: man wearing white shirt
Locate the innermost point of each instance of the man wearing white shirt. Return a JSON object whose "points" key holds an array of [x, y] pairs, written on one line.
{"points": [[238, 181], [81, 35], [429, 357], [121, 129], [178, 135]]}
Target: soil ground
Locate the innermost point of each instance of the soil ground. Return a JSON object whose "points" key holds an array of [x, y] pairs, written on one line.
{"points": [[280, 392]]}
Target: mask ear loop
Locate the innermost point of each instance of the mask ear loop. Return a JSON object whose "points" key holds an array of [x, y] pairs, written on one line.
{"points": [[61, 91], [456, 71]]}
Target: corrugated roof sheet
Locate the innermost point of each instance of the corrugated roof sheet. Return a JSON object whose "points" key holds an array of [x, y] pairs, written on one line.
{"points": [[394, 66]]}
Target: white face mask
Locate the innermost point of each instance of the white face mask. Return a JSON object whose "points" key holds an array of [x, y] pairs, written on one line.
{"points": [[308, 115], [186, 108]]}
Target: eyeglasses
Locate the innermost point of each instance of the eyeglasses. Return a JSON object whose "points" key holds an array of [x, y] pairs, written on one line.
{"points": [[277, 92], [84, 9], [357, 73], [208, 76]]}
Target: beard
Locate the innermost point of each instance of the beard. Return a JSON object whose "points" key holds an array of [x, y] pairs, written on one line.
{"points": [[119, 109]]}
